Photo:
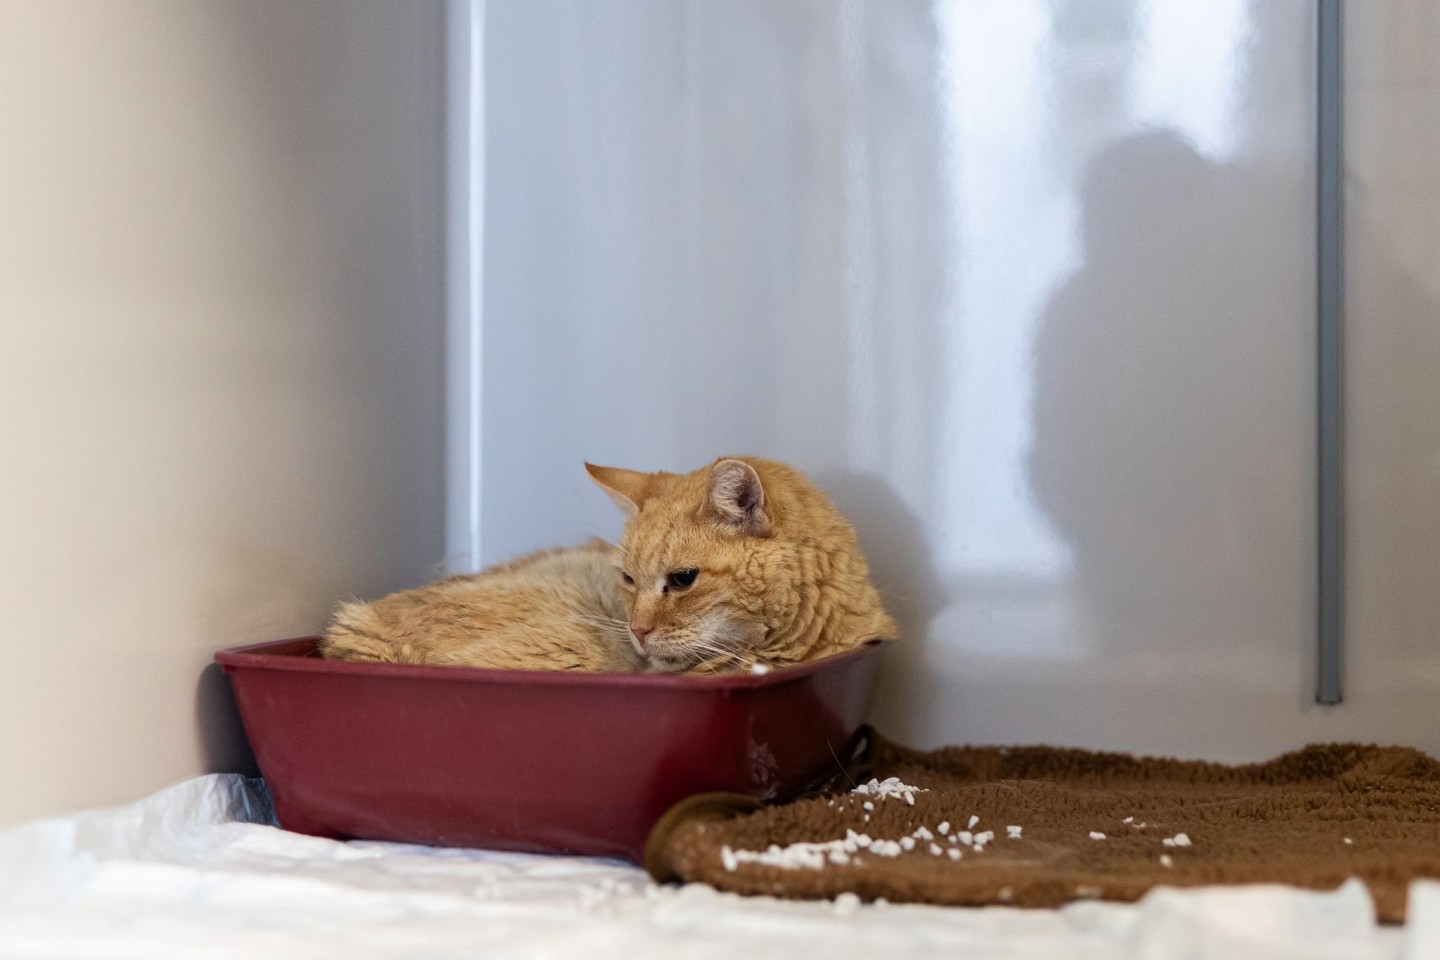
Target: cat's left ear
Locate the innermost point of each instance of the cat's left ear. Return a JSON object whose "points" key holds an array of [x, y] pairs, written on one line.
{"points": [[738, 498], [628, 488]]}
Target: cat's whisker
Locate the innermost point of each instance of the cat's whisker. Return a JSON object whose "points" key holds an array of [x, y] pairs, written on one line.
{"points": [[719, 645], [617, 627], [607, 623], [597, 616], [730, 641], [710, 648]]}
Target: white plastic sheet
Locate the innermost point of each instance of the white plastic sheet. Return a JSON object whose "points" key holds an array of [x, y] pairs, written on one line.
{"points": [[199, 870]]}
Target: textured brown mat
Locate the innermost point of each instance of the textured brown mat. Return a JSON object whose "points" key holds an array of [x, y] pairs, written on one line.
{"points": [[1312, 818]]}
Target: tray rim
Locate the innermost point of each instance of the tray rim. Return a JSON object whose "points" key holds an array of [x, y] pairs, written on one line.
{"points": [[261, 656]]}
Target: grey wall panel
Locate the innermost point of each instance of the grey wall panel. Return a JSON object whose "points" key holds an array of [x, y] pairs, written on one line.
{"points": [[1029, 287]]}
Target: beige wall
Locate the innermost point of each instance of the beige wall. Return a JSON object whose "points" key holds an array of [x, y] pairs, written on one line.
{"points": [[220, 360]]}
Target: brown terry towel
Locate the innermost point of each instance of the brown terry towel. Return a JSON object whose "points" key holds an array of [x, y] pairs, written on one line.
{"points": [[1091, 825]]}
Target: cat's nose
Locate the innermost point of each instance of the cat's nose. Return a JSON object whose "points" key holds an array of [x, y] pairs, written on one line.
{"points": [[641, 633]]}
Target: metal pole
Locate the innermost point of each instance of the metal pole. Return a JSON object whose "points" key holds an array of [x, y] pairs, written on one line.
{"points": [[1330, 300]]}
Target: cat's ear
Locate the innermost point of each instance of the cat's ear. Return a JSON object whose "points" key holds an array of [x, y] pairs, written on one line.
{"points": [[628, 488], [737, 497]]}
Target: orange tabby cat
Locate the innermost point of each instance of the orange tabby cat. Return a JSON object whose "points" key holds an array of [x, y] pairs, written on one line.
{"points": [[739, 563]]}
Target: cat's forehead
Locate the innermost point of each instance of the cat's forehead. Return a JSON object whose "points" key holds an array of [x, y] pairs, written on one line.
{"points": [[660, 534], [655, 532]]}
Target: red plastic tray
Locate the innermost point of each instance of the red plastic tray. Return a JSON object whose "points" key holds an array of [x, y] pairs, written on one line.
{"points": [[560, 762]]}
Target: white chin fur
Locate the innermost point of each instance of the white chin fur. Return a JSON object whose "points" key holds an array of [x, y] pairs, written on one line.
{"points": [[658, 664]]}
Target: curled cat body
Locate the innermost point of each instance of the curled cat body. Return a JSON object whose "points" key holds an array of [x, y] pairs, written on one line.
{"points": [[741, 562]]}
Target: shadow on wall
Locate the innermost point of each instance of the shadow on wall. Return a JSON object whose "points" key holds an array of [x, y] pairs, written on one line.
{"points": [[348, 108], [893, 539], [222, 737], [1168, 431], [345, 110]]}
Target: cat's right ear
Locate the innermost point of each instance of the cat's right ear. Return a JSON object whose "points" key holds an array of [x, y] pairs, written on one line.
{"points": [[737, 497], [628, 488]]}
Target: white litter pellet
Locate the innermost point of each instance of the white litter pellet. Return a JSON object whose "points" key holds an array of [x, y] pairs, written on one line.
{"points": [[811, 856], [892, 787], [985, 837], [759, 669], [973, 820], [1165, 860], [923, 834], [1013, 831], [935, 850], [908, 843], [1348, 840], [868, 805], [965, 837], [1096, 835], [955, 853], [1128, 820], [944, 826], [846, 904], [1179, 840]]}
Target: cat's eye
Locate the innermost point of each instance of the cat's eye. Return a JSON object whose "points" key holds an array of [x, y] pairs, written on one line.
{"points": [[627, 578], [680, 579]]}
